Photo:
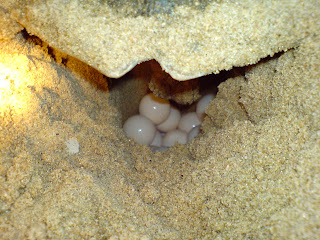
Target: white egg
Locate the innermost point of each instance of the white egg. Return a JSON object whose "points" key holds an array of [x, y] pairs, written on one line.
{"points": [[171, 122], [188, 121], [140, 128], [154, 108], [202, 105], [174, 136], [193, 133], [157, 141], [158, 149]]}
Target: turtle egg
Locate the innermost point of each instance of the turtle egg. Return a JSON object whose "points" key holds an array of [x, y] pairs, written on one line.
{"points": [[188, 121], [157, 141], [202, 105], [154, 108], [171, 122], [174, 136], [193, 133], [140, 128]]}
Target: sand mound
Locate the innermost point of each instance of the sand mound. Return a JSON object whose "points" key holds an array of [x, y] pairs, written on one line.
{"points": [[188, 40]]}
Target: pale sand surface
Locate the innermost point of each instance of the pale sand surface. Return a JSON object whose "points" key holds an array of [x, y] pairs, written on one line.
{"points": [[187, 42], [254, 173]]}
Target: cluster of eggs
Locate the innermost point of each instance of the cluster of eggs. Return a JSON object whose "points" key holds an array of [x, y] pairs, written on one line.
{"points": [[161, 124]]}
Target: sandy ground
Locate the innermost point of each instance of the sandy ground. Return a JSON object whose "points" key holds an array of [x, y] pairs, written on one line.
{"points": [[67, 171]]}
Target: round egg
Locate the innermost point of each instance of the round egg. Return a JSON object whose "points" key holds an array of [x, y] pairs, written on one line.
{"points": [[174, 136], [189, 121], [202, 105], [157, 141], [193, 133], [140, 128], [154, 108], [171, 122]]}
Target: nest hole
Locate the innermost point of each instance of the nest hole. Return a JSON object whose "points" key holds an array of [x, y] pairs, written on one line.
{"points": [[148, 77]]}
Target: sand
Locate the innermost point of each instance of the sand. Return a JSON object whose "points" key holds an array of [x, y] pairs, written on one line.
{"points": [[253, 173], [188, 42]]}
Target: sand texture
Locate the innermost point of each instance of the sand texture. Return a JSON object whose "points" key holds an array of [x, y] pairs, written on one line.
{"points": [[188, 42], [9, 27], [67, 171]]}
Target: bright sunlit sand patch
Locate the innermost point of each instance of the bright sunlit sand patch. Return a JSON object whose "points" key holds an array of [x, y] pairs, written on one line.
{"points": [[15, 82], [4, 84]]}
